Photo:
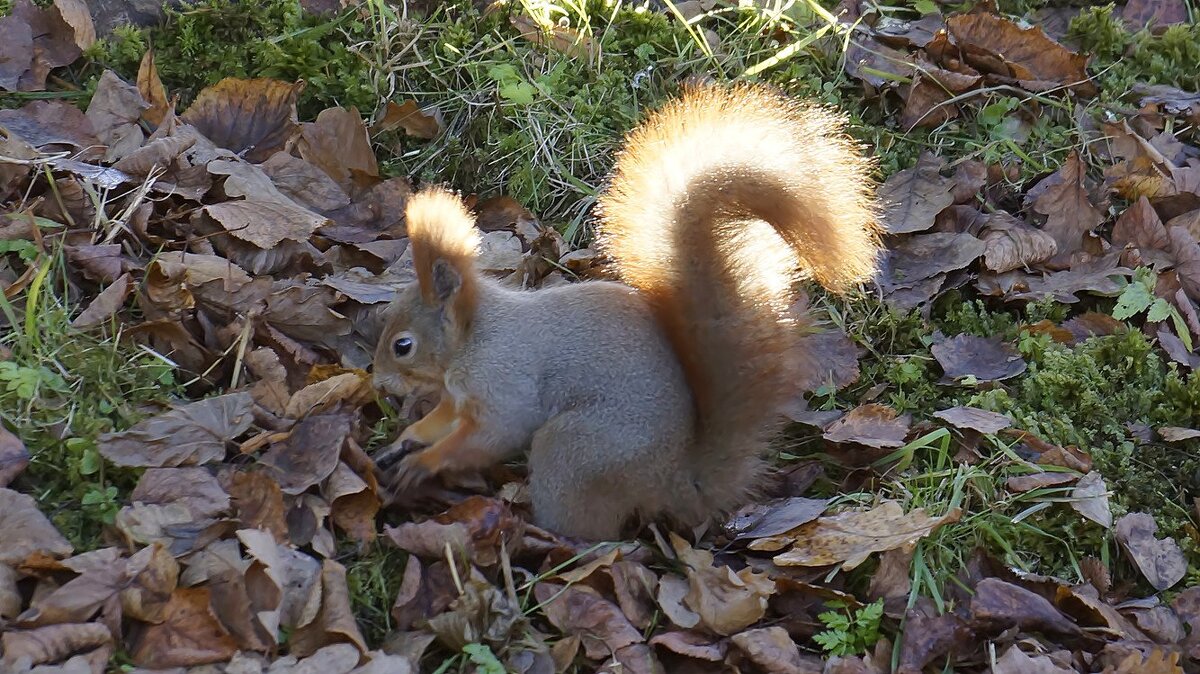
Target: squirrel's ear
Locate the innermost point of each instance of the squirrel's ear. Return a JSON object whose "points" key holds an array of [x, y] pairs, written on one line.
{"points": [[446, 280]]}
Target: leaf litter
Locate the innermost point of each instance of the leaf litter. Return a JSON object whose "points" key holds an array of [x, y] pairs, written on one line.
{"points": [[228, 542]]}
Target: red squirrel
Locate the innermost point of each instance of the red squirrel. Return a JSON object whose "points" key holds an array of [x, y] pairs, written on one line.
{"points": [[654, 397]]}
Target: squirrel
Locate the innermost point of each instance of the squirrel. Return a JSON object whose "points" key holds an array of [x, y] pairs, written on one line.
{"points": [[653, 397]]}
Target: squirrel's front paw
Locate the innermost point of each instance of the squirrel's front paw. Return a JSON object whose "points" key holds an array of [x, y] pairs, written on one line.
{"points": [[394, 453], [409, 473]]}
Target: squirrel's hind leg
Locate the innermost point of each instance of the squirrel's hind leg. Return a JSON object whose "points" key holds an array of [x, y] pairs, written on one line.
{"points": [[588, 479]]}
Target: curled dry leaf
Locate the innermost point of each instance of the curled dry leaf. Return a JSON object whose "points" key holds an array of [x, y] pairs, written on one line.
{"points": [[985, 359], [1024, 483], [871, 425], [998, 605], [14, 457], [25, 530], [775, 517], [848, 538], [580, 610], [1016, 661], [152, 90], [252, 118], [189, 434], [354, 503], [153, 575], [1090, 499], [975, 419], [416, 121], [996, 45], [105, 305], [727, 602], [53, 642], [114, 111], [1012, 244], [334, 623], [1161, 561], [264, 216], [1063, 199], [190, 634], [912, 198], [772, 649], [672, 590]]}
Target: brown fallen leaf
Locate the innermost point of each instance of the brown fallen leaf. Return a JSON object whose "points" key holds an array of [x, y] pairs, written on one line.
{"points": [[727, 602], [692, 644], [1090, 499], [26, 531], [338, 143], [875, 63], [190, 634], [998, 605], [996, 45], [927, 101], [830, 358], [1161, 561], [53, 642], [310, 453], [189, 434], [930, 638], [152, 90], [870, 425], [16, 51], [78, 600], [1012, 244], [416, 121], [1063, 199], [55, 40], [354, 503], [774, 517], [580, 610], [984, 359], [153, 576], [1176, 434], [635, 586], [258, 501], [106, 304], [47, 125], [195, 488], [772, 650], [848, 538], [482, 610], [304, 183], [264, 216], [114, 111], [334, 623], [973, 418], [251, 117], [1141, 226], [1016, 661], [14, 457], [560, 38], [1138, 14], [923, 256], [912, 198], [1024, 483]]}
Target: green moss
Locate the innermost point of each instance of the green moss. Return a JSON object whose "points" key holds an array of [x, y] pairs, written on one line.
{"points": [[1124, 58]]}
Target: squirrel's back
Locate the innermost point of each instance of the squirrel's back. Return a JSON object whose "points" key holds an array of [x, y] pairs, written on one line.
{"points": [[719, 202]]}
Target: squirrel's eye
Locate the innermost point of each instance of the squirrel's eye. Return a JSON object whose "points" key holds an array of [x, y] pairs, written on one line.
{"points": [[402, 346]]}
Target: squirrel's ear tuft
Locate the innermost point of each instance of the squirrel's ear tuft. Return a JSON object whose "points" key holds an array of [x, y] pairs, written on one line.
{"points": [[446, 280]]}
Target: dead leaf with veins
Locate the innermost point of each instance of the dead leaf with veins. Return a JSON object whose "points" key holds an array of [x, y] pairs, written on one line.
{"points": [[996, 45], [983, 421], [580, 610], [250, 117], [264, 216], [195, 488], [106, 304], [913, 197], [1063, 199], [338, 143], [773, 650], [692, 645], [416, 121], [999, 605], [190, 634], [849, 537], [26, 531], [52, 643], [774, 518], [871, 425], [189, 434], [310, 452], [114, 111], [726, 601], [153, 92], [334, 622], [1011, 244], [1161, 561], [1016, 661], [49, 125], [984, 359]]}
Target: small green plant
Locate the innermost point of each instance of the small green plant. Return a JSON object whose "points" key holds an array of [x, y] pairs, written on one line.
{"points": [[1138, 297], [849, 632], [482, 655]]}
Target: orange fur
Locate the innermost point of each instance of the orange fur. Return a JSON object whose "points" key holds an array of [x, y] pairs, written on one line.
{"points": [[719, 201], [441, 228]]}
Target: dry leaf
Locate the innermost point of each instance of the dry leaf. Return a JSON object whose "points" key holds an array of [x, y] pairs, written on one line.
{"points": [[1024, 483], [982, 421], [1063, 199], [106, 304], [775, 517], [984, 359], [310, 452], [999, 605], [16, 51], [264, 217], [252, 118], [1090, 499], [1015, 661], [727, 602], [416, 122], [258, 500], [912, 198], [190, 634], [189, 434], [1176, 434], [338, 144], [114, 111], [1160, 560], [772, 649], [53, 642], [14, 457], [634, 586], [580, 610], [152, 90], [194, 488], [334, 623], [1011, 244], [848, 538], [870, 425], [996, 45], [25, 530]]}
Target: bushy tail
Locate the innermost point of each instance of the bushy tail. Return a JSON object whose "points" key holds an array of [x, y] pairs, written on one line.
{"points": [[718, 202]]}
